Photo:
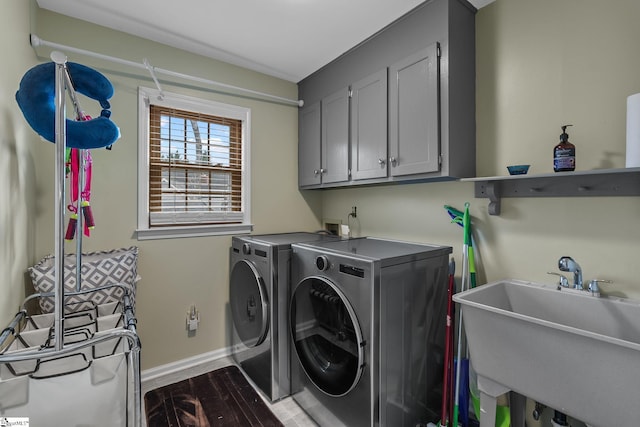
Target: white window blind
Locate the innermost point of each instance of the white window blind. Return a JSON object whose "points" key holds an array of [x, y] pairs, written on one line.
{"points": [[195, 165], [195, 168]]}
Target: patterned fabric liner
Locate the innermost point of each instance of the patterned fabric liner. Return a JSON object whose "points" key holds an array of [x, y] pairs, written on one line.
{"points": [[101, 268]]}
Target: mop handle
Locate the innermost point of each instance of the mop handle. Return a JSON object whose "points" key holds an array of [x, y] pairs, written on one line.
{"points": [[465, 271], [448, 350]]}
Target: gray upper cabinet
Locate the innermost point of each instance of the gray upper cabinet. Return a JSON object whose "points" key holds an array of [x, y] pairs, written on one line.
{"points": [[369, 127], [335, 137], [309, 146], [344, 135], [411, 114], [414, 139]]}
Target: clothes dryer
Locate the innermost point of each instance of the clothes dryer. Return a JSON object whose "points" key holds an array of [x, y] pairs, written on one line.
{"points": [[259, 281], [367, 320]]}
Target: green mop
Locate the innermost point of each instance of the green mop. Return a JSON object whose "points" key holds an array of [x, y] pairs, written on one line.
{"points": [[465, 281], [469, 272]]}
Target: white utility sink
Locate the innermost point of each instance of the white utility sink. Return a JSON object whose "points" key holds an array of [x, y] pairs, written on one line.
{"points": [[572, 351]]}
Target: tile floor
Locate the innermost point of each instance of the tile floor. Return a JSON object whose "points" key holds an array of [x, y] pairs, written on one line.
{"points": [[287, 411]]}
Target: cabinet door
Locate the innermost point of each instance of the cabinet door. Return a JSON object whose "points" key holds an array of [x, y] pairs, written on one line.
{"points": [[369, 127], [414, 114], [335, 137], [309, 145]]}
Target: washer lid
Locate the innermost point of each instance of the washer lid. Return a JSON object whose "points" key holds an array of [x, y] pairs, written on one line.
{"points": [[286, 239], [249, 303], [386, 252]]}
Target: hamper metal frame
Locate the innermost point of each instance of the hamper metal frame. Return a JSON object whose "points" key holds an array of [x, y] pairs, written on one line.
{"points": [[128, 332]]}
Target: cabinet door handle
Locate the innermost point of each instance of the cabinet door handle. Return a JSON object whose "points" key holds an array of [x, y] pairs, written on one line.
{"points": [[381, 162], [322, 170], [316, 171], [393, 161]]}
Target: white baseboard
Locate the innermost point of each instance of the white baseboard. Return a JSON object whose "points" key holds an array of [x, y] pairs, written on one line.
{"points": [[185, 368]]}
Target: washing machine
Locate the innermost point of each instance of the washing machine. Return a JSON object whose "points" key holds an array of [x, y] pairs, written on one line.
{"points": [[259, 281], [367, 321]]}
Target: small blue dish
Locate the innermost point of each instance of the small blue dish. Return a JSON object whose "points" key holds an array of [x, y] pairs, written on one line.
{"points": [[518, 169]]}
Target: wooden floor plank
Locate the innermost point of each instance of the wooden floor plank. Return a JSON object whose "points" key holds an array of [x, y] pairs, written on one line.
{"points": [[222, 398]]}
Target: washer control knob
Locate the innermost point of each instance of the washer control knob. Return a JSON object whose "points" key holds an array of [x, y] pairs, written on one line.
{"points": [[246, 248], [322, 263]]}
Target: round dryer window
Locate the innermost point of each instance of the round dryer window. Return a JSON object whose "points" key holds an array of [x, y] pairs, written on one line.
{"points": [[326, 336], [249, 304]]}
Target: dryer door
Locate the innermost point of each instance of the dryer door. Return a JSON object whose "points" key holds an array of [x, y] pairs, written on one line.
{"points": [[249, 303], [326, 335]]}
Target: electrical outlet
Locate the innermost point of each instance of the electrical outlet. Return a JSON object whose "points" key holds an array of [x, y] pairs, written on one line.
{"points": [[193, 319], [332, 226], [193, 324]]}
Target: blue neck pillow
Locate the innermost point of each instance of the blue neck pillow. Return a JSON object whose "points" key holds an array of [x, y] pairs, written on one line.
{"points": [[36, 98]]}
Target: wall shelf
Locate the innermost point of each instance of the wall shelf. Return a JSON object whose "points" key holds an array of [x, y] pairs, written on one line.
{"points": [[597, 182]]}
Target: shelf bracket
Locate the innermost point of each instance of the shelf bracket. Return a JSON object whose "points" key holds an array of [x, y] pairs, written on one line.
{"points": [[492, 190]]}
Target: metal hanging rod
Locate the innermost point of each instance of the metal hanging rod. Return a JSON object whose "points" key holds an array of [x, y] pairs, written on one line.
{"points": [[61, 79], [36, 41]]}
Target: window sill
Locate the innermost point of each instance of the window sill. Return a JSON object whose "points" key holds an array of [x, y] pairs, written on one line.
{"points": [[192, 231]]}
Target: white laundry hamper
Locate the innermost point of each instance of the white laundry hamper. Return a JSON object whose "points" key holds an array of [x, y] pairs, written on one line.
{"points": [[93, 382], [91, 397]]}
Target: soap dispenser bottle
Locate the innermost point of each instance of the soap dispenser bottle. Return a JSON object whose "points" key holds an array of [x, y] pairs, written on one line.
{"points": [[564, 154]]}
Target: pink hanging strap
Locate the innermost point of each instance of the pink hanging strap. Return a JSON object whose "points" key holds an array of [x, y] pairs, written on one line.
{"points": [[89, 222], [88, 170], [73, 194], [85, 195]]}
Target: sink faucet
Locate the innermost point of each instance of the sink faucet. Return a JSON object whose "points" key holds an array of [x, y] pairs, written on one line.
{"points": [[568, 264]]}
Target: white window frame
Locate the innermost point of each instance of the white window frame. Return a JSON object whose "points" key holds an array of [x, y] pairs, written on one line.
{"points": [[147, 97]]}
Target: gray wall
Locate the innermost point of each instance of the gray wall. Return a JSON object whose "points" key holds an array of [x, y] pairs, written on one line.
{"points": [[18, 193]]}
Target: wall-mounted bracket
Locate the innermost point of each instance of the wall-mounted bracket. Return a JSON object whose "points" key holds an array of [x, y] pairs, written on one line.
{"points": [[492, 190]]}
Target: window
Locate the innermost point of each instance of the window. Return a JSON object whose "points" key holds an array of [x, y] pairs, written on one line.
{"points": [[193, 166]]}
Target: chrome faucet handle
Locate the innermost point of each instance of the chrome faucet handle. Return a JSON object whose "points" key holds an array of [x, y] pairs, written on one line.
{"points": [[567, 263], [563, 282], [594, 288]]}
